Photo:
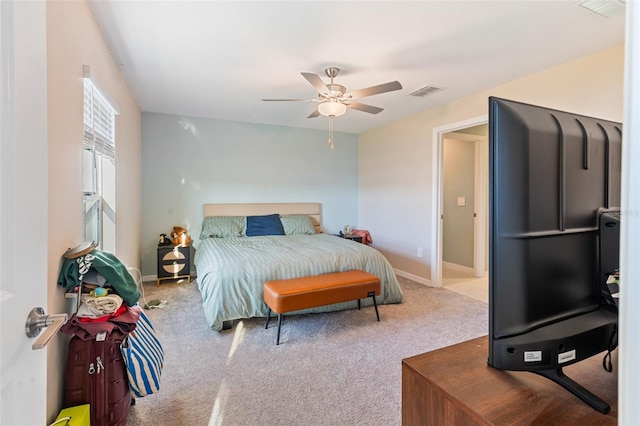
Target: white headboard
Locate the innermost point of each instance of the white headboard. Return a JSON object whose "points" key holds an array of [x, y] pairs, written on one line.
{"points": [[314, 210]]}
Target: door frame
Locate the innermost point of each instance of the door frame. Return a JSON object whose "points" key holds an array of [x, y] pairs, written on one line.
{"points": [[437, 193]]}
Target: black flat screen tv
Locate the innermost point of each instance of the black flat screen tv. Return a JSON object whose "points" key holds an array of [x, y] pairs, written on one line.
{"points": [[554, 189]]}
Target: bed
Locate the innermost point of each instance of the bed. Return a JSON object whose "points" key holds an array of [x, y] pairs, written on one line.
{"points": [[233, 267]]}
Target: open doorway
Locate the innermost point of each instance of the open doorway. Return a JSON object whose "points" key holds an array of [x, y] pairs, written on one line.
{"points": [[464, 195], [466, 251]]}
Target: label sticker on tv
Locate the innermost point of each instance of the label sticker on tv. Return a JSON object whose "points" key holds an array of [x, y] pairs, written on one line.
{"points": [[533, 356], [567, 356]]}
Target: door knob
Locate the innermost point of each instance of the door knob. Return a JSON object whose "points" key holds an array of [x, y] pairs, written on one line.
{"points": [[37, 320]]}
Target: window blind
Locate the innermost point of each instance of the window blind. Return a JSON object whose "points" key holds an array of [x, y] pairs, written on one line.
{"points": [[99, 121]]}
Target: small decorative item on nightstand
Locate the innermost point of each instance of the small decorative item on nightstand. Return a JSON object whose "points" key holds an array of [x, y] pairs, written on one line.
{"points": [[180, 236], [355, 238], [350, 236], [174, 262], [360, 235]]}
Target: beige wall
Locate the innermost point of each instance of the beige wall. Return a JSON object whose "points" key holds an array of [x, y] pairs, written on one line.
{"points": [[395, 161], [74, 40]]}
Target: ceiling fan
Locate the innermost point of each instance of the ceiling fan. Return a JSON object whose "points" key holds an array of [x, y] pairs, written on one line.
{"points": [[333, 99]]}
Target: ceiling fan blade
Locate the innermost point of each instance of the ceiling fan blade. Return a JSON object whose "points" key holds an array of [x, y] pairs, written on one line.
{"points": [[363, 107], [316, 82], [314, 114], [374, 90], [292, 100]]}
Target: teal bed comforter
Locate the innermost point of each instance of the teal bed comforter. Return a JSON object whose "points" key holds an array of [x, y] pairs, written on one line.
{"points": [[232, 271]]}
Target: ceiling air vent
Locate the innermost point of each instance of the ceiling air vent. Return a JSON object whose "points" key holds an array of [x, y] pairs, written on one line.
{"points": [[606, 8], [424, 91]]}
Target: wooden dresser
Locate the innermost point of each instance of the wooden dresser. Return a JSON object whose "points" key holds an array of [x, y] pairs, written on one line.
{"points": [[455, 386]]}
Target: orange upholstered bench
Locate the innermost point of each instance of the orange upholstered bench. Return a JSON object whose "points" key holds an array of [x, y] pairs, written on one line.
{"points": [[294, 294]]}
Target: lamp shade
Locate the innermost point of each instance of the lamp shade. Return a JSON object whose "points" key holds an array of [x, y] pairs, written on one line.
{"points": [[332, 108]]}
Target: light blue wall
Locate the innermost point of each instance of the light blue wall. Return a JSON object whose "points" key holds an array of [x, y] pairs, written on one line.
{"points": [[188, 162]]}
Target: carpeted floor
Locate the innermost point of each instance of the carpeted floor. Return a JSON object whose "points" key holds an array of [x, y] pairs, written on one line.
{"points": [[340, 368]]}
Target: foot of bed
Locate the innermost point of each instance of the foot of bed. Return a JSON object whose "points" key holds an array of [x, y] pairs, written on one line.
{"points": [[226, 325]]}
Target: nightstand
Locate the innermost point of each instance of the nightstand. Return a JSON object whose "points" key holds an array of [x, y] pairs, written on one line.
{"points": [[174, 262], [356, 238]]}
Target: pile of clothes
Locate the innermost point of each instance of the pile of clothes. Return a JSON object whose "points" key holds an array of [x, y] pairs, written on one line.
{"points": [[110, 333], [108, 294]]}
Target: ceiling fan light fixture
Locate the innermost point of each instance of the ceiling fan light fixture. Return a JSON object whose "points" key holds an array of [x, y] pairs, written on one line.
{"points": [[332, 108]]}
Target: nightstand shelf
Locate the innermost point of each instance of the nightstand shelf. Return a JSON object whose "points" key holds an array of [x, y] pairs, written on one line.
{"points": [[174, 262]]}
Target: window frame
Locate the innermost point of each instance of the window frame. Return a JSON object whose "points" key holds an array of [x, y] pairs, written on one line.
{"points": [[99, 161]]}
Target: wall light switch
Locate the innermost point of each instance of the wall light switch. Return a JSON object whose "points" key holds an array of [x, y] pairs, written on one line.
{"points": [[462, 201]]}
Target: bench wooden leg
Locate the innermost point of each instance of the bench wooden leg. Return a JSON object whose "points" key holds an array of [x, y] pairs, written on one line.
{"points": [[268, 318], [375, 305], [279, 324]]}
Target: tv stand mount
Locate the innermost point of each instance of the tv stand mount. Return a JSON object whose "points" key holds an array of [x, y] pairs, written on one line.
{"points": [[558, 376]]}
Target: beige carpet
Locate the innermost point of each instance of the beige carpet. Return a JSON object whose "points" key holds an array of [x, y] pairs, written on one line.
{"points": [[341, 368]]}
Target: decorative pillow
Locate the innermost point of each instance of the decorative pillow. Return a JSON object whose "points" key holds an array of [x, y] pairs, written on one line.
{"points": [[264, 225], [297, 224], [223, 227]]}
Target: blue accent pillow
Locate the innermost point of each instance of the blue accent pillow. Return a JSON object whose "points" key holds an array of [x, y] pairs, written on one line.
{"points": [[264, 225]]}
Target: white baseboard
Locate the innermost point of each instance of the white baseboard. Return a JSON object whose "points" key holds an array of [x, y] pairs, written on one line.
{"points": [[413, 277], [147, 278], [460, 268]]}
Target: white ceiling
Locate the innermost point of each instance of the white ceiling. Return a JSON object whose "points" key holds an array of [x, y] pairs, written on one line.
{"points": [[218, 59]]}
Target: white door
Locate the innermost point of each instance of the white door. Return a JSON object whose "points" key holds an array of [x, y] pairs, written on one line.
{"points": [[23, 213]]}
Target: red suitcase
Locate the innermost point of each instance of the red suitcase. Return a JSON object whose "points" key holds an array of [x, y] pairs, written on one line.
{"points": [[96, 375]]}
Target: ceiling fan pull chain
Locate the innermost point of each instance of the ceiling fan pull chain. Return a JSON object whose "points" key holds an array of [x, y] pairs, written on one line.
{"points": [[331, 132]]}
